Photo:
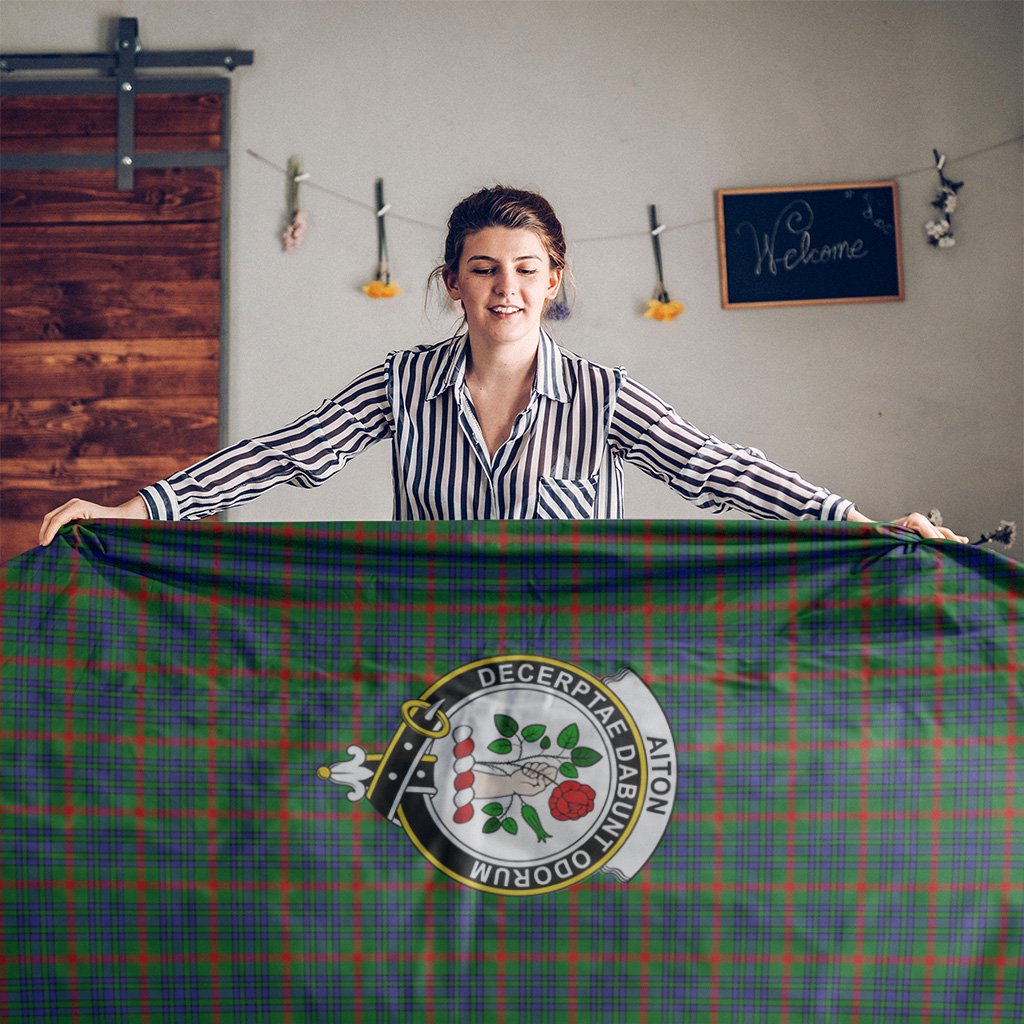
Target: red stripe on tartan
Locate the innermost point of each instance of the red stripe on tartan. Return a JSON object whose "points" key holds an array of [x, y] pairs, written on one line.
{"points": [[719, 783], [355, 884], [1009, 797], [429, 995], [952, 742], [573, 1004], [839, 675], [428, 886], [968, 814], [692, 817], [430, 640], [572, 990], [250, 600], [356, 956], [597, 606], [936, 802], [572, 996], [705, 888], [645, 940], [501, 960], [4, 996], [792, 677], [214, 601], [70, 859], [141, 772], [284, 905], [285, 746], [576, 603], [647, 647], [647, 553], [863, 804], [502, 609]]}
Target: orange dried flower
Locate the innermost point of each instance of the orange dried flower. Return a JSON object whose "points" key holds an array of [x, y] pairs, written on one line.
{"points": [[658, 310], [380, 290]]}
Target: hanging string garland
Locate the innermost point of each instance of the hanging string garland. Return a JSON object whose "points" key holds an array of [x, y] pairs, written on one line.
{"points": [[381, 287], [940, 232], [660, 307]]}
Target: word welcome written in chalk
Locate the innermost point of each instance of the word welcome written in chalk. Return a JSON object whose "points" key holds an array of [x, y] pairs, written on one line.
{"points": [[796, 221], [816, 244]]}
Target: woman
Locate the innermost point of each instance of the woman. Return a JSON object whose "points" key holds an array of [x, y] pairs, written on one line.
{"points": [[498, 422]]}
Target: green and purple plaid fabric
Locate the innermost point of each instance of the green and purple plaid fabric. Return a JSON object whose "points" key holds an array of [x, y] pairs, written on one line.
{"points": [[847, 842]]}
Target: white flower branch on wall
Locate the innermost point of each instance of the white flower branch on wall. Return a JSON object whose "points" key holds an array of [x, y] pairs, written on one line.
{"points": [[940, 231]]}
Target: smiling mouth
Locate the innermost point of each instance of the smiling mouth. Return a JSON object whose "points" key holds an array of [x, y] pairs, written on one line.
{"points": [[505, 310]]}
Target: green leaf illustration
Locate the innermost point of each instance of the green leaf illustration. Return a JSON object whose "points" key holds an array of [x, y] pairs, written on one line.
{"points": [[500, 747], [532, 733], [569, 736], [584, 756], [491, 825], [545, 743], [568, 769], [532, 818], [506, 726], [495, 810], [510, 826]]}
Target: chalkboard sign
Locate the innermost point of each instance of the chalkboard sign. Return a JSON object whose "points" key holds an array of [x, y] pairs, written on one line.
{"points": [[809, 245]]}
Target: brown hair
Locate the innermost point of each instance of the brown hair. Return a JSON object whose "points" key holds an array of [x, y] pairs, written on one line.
{"points": [[501, 207]]}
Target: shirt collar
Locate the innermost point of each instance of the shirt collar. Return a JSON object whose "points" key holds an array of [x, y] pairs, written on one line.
{"points": [[451, 370], [549, 380]]}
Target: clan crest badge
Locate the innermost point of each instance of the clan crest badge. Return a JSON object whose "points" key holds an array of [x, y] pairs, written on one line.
{"points": [[521, 775]]}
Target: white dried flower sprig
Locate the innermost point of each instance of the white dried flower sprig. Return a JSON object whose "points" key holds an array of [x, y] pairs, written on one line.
{"points": [[940, 231]]}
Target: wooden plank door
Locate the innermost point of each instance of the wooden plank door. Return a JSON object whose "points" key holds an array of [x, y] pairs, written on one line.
{"points": [[110, 306]]}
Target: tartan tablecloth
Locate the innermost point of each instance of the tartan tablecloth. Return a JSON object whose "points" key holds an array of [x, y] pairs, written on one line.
{"points": [[844, 839]]}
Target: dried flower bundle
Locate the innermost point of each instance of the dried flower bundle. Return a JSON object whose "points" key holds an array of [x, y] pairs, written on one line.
{"points": [[1005, 533], [381, 287], [298, 218], [940, 231], [660, 307]]}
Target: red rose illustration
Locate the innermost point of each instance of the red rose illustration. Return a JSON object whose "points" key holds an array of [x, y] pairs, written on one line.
{"points": [[571, 800]]}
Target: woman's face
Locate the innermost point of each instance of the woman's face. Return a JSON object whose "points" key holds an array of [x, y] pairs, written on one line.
{"points": [[504, 280]]}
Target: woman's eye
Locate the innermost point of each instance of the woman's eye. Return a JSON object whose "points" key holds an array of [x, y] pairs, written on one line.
{"points": [[488, 271]]}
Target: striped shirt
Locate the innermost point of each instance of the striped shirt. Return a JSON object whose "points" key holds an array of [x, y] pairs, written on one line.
{"points": [[562, 460]]}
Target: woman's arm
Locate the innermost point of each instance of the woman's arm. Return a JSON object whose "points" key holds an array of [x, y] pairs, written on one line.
{"points": [[917, 523], [304, 453], [77, 508], [711, 473], [717, 475]]}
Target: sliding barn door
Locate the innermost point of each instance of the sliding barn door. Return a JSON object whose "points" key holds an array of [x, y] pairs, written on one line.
{"points": [[110, 303]]}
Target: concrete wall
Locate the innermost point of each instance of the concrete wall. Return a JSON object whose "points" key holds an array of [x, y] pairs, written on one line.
{"points": [[606, 107]]}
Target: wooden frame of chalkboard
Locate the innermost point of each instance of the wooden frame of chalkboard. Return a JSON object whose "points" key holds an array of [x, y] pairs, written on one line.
{"points": [[810, 245]]}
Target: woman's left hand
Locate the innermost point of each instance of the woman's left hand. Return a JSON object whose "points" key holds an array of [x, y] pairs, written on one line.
{"points": [[916, 522]]}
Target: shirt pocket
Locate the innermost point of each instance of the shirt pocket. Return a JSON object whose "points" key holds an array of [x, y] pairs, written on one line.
{"points": [[564, 498]]}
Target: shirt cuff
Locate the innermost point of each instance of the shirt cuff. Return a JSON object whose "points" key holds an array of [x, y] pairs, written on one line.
{"points": [[161, 501], [836, 508]]}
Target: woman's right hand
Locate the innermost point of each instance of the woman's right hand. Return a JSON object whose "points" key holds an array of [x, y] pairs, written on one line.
{"points": [[76, 508]]}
